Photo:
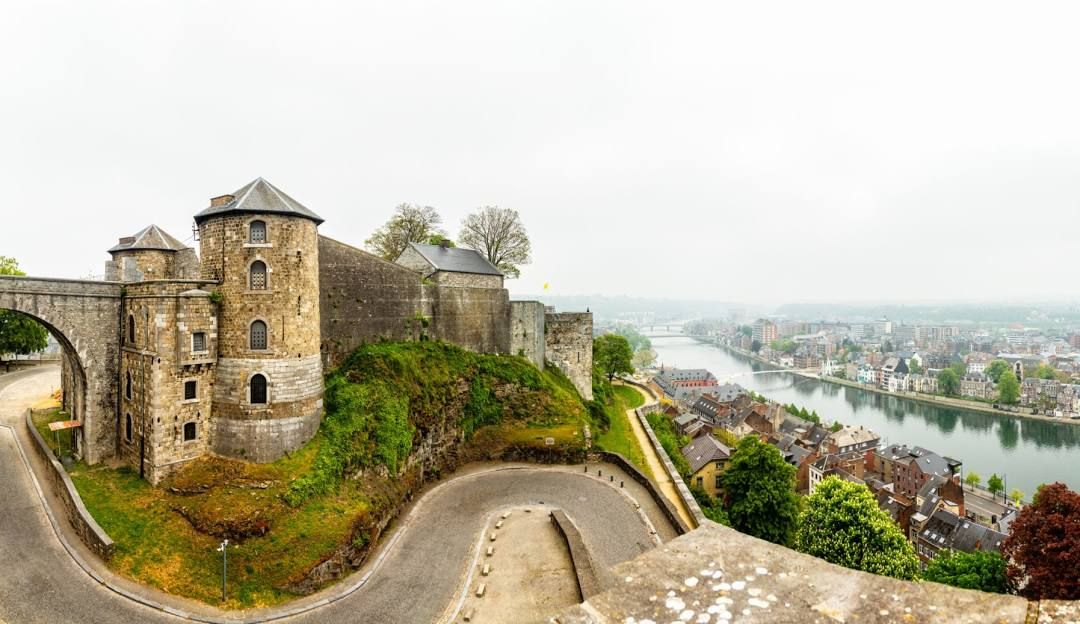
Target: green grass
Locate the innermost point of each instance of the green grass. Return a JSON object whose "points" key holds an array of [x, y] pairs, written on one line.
{"points": [[620, 438], [41, 422], [287, 516]]}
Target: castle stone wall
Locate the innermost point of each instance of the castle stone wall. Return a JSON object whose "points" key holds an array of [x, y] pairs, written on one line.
{"points": [[467, 280], [477, 319], [527, 330], [568, 345]]}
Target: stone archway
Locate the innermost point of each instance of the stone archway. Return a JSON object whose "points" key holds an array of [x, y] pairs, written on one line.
{"points": [[84, 317]]}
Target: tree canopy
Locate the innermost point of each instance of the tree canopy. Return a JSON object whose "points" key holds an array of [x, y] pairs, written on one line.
{"points": [[995, 484], [499, 234], [612, 355], [409, 224], [19, 333], [1043, 547], [759, 492], [948, 381], [983, 571], [1008, 388], [843, 524], [973, 479], [1045, 371], [996, 369]]}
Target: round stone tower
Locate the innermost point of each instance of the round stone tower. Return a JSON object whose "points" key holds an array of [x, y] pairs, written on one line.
{"points": [[262, 247]]}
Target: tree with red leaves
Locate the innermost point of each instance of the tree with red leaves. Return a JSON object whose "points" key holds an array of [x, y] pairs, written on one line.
{"points": [[1043, 547]]}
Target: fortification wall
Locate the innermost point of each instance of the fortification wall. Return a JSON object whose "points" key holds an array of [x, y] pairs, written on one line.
{"points": [[364, 298], [527, 330], [568, 345]]}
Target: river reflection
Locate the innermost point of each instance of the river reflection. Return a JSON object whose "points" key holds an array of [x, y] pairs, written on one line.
{"points": [[1029, 452]]}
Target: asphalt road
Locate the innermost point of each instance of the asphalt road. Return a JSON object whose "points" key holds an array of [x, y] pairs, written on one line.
{"points": [[419, 576]]}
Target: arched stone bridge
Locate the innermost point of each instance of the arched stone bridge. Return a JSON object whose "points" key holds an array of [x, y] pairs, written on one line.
{"points": [[84, 317]]}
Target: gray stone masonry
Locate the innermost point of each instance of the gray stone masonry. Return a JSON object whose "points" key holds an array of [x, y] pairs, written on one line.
{"points": [[527, 330], [84, 317], [568, 340]]}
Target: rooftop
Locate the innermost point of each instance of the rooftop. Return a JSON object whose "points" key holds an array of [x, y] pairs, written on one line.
{"points": [[257, 197], [456, 259], [150, 237]]}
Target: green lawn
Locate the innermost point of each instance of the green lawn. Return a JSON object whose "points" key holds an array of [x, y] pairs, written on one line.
{"points": [[620, 438]]}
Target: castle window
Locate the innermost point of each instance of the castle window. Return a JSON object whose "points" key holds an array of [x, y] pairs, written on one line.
{"points": [[189, 431], [258, 390], [257, 337], [131, 329], [128, 428], [198, 341], [258, 275], [257, 232], [127, 387], [191, 390]]}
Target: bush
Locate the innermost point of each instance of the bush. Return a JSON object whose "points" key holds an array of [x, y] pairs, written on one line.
{"points": [[984, 571]]}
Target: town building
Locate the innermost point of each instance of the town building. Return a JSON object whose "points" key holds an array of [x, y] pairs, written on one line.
{"points": [[707, 458], [765, 331]]}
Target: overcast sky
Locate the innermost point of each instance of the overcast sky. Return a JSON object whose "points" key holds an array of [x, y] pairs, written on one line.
{"points": [[749, 151]]}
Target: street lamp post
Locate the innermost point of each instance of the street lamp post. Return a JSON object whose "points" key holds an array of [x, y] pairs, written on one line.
{"points": [[223, 549]]}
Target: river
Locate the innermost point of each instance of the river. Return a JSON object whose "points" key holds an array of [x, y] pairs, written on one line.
{"points": [[1025, 452]]}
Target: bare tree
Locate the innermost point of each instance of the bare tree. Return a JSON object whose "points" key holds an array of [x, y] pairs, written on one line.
{"points": [[410, 224], [498, 234]]}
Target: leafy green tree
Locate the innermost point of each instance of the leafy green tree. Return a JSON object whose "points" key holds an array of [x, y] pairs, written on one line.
{"points": [[19, 333], [500, 236], [959, 368], [611, 352], [843, 524], [755, 346], [439, 239], [409, 224], [1017, 496], [1008, 388], [1045, 371], [996, 369], [973, 479], [759, 492], [948, 382], [644, 358], [836, 426], [914, 368], [746, 330], [995, 484], [983, 571]]}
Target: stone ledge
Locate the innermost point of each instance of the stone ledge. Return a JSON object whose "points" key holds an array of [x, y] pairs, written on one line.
{"points": [[662, 501], [720, 572], [591, 579], [91, 534], [676, 479]]}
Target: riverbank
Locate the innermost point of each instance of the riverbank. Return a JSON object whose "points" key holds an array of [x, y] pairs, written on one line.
{"points": [[971, 406]]}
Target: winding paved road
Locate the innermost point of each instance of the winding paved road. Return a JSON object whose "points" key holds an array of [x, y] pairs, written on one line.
{"points": [[419, 575]]}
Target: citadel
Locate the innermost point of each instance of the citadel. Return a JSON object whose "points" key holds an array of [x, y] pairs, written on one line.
{"points": [[179, 354]]}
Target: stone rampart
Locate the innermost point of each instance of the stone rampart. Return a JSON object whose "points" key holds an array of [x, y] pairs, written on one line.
{"points": [[527, 331], [568, 340], [592, 579], [84, 524], [632, 471]]}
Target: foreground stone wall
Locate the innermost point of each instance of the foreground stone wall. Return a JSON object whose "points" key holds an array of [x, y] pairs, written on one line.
{"points": [[477, 319], [88, 530], [568, 345], [527, 330]]}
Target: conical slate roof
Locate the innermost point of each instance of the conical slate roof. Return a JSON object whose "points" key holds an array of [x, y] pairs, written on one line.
{"points": [[258, 196], [150, 237]]}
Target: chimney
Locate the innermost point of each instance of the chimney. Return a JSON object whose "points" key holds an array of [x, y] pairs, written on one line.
{"points": [[127, 240], [220, 200]]}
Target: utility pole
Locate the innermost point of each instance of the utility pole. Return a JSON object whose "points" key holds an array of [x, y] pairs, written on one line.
{"points": [[224, 550]]}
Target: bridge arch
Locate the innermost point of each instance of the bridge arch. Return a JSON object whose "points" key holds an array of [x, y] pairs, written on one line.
{"points": [[84, 317]]}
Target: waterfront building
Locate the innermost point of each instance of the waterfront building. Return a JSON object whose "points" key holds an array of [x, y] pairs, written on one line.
{"points": [[765, 331]]}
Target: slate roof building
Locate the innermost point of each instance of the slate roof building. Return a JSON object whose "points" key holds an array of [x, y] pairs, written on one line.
{"points": [[451, 266], [707, 458]]}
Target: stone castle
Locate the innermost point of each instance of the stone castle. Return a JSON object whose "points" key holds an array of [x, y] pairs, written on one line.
{"points": [[223, 351]]}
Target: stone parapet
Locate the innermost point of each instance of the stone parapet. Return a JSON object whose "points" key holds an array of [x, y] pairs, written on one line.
{"points": [[592, 579], [88, 530]]}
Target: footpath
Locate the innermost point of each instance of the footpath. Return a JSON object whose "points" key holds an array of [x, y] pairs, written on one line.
{"points": [[660, 475]]}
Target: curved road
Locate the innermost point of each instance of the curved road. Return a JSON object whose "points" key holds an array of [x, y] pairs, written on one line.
{"points": [[420, 574]]}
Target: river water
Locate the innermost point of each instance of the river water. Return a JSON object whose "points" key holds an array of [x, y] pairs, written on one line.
{"points": [[1026, 452]]}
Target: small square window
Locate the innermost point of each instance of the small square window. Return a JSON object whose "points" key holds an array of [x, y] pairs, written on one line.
{"points": [[189, 431], [198, 341], [190, 390]]}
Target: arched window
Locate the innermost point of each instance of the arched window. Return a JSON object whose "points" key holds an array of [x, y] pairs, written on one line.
{"points": [[258, 390], [258, 275], [257, 232], [128, 428], [189, 431], [131, 329], [127, 387], [257, 336]]}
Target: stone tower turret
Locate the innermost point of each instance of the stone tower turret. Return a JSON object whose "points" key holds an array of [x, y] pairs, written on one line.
{"points": [[262, 246]]}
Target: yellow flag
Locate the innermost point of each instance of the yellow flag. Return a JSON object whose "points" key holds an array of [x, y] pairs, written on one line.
{"points": [[546, 286]]}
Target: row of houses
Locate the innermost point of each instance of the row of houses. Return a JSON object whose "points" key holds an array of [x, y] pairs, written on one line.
{"points": [[1051, 396], [917, 487]]}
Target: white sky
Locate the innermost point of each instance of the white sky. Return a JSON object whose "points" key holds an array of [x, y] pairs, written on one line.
{"points": [[749, 151]]}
